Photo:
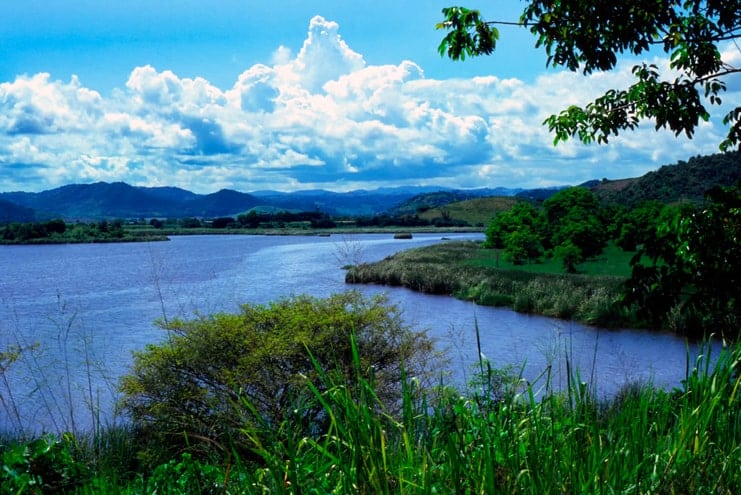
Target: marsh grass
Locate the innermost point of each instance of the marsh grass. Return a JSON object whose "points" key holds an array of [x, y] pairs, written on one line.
{"points": [[453, 268], [641, 441]]}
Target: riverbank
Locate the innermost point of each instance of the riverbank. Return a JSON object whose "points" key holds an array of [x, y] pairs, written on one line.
{"points": [[91, 240], [451, 269]]}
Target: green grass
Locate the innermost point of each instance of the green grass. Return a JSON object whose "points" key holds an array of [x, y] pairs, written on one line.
{"points": [[496, 436], [461, 269], [613, 261], [477, 212]]}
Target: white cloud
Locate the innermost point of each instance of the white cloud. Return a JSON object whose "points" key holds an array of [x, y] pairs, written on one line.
{"points": [[320, 118]]}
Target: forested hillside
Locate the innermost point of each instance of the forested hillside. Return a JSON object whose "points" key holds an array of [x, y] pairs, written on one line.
{"points": [[684, 181]]}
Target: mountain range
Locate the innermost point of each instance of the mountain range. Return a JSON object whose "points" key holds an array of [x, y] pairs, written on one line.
{"points": [[681, 181], [120, 200]]}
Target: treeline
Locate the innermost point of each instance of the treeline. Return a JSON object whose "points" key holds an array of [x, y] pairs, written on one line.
{"points": [[251, 220], [410, 221], [58, 230], [311, 219]]}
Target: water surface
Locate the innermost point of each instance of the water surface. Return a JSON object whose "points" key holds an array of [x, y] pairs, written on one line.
{"points": [[87, 307]]}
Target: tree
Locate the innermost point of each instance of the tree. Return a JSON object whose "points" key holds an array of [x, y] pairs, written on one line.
{"points": [[519, 231], [588, 36], [574, 220], [218, 375], [692, 278], [638, 225], [522, 245]]}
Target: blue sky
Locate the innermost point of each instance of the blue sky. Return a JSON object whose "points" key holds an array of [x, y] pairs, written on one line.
{"points": [[290, 95]]}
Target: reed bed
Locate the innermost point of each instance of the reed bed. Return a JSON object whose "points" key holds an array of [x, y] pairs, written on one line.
{"points": [[447, 269]]}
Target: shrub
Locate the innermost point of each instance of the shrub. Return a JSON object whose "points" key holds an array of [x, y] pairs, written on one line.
{"points": [[194, 388], [44, 465]]}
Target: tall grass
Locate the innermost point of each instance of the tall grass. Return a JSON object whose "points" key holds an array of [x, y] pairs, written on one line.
{"points": [[499, 435]]}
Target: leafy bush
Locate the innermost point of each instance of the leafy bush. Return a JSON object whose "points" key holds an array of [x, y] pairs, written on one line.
{"points": [[43, 465], [216, 375], [186, 476]]}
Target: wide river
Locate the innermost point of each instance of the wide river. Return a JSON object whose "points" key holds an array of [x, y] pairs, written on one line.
{"points": [[84, 308]]}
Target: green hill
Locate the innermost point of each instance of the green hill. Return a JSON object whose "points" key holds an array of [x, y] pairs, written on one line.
{"points": [[420, 203], [477, 211], [683, 181]]}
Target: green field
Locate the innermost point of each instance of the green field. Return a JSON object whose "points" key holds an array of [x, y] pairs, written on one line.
{"points": [[613, 261]]}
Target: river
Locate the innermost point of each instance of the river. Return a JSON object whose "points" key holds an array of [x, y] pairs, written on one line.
{"points": [[84, 308]]}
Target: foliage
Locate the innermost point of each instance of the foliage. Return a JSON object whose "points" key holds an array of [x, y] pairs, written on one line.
{"points": [[185, 476], [192, 389], [569, 254], [501, 434], [585, 36], [58, 231], [522, 216], [573, 219], [43, 465], [569, 221], [638, 225], [680, 182], [695, 267]]}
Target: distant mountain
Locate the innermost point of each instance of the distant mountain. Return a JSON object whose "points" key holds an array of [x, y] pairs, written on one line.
{"points": [[684, 181], [223, 203], [171, 193], [360, 202], [11, 212], [539, 194], [120, 200]]}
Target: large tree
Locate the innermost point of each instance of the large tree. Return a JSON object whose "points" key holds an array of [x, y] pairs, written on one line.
{"points": [[590, 35]]}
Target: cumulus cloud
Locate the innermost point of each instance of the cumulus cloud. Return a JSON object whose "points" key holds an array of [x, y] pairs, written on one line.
{"points": [[319, 118]]}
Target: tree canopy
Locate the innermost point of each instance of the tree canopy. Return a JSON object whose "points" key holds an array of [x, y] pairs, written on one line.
{"points": [[589, 36], [687, 274]]}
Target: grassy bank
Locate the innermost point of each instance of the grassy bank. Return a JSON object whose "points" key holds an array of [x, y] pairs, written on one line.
{"points": [[496, 437], [464, 270]]}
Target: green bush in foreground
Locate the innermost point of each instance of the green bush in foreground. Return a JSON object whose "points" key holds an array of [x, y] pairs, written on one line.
{"points": [[216, 375]]}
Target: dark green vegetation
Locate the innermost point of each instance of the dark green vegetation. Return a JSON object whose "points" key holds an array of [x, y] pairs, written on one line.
{"points": [[58, 231], [584, 36], [681, 182], [501, 434], [680, 270]]}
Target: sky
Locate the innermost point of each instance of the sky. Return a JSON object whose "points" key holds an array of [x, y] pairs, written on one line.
{"points": [[292, 95]]}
